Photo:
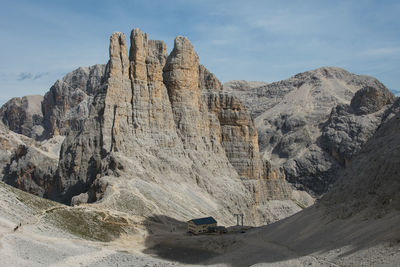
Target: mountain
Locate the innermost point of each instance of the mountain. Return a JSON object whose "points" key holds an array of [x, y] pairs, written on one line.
{"points": [[314, 122], [132, 149], [354, 224], [147, 133]]}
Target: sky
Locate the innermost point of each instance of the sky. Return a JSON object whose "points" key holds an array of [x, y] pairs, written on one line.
{"points": [[250, 40]]}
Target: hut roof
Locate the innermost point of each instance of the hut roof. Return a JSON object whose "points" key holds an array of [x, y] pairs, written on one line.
{"points": [[206, 220]]}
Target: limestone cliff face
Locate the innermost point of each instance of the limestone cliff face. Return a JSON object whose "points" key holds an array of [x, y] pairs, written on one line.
{"points": [[23, 115], [152, 113], [80, 160], [181, 77], [132, 133], [117, 116], [238, 134], [239, 139]]}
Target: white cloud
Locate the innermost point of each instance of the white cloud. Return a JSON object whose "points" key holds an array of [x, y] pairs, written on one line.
{"points": [[31, 76], [286, 23]]}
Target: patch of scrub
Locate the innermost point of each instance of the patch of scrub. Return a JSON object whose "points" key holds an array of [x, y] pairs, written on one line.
{"points": [[88, 224]]}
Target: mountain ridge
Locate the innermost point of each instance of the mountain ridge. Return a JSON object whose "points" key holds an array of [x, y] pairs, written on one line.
{"points": [[297, 121]]}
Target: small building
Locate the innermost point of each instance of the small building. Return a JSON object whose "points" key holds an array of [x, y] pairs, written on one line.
{"points": [[201, 225], [218, 229]]}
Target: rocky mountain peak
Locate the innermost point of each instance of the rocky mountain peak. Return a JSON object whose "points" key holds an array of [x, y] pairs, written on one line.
{"points": [[371, 99], [330, 72], [119, 62], [181, 68], [146, 53]]}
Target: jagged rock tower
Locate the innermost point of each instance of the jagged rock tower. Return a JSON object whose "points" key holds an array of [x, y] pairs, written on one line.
{"points": [[159, 136]]}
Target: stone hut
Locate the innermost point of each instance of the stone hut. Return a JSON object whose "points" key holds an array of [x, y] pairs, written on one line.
{"points": [[201, 225]]}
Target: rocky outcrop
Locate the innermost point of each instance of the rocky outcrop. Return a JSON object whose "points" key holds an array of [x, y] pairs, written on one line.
{"points": [[208, 81], [7, 145], [350, 126], [370, 184], [27, 164], [371, 99], [23, 115], [181, 77], [67, 103], [294, 120], [31, 171]]}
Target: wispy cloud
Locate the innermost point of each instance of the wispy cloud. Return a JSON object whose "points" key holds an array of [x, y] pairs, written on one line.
{"points": [[382, 51], [25, 76], [30, 76]]}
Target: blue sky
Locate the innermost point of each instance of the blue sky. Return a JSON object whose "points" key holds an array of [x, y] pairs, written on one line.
{"points": [[250, 40]]}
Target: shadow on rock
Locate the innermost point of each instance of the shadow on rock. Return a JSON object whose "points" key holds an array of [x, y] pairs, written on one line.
{"points": [[169, 240]]}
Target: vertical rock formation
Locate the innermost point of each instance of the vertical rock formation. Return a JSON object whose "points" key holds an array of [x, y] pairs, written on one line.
{"points": [[181, 76], [238, 134], [239, 139], [152, 114], [117, 117]]}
